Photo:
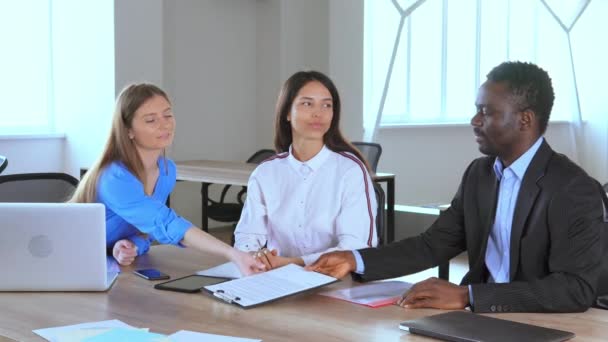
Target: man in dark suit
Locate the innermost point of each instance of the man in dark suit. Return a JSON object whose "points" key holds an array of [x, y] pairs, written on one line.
{"points": [[529, 218]]}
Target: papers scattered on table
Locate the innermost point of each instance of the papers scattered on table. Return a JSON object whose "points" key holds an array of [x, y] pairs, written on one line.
{"points": [[226, 270], [264, 287], [115, 330], [79, 330], [373, 294], [191, 336], [123, 334]]}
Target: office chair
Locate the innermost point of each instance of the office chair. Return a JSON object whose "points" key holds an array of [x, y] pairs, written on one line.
{"points": [[380, 214], [602, 287], [37, 187], [3, 163], [224, 211], [371, 152]]}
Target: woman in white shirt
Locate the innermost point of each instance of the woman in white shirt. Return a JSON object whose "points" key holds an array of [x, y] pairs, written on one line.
{"points": [[316, 194]]}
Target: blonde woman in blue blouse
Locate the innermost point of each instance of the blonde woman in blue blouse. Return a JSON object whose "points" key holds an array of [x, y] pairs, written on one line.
{"points": [[133, 179]]}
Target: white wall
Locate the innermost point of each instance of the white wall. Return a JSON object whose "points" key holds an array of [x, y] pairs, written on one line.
{"points": [[268, 77], [209, 69], [429, 161], [32, 154], [138, 41], [291, 36], [346, 62], [213, 46]]}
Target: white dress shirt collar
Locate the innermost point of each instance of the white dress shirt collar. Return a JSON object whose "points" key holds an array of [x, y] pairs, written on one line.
{"points": [[312, 164]]}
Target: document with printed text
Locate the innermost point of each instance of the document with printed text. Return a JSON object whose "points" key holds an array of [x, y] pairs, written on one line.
{"points": [[269, 286]]}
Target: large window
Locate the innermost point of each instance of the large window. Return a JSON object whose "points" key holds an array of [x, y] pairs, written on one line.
{"points": [[425, 59], [25, 66]]}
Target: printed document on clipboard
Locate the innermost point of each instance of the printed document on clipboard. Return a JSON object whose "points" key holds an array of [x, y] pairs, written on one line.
{"points": [[269, 286]]}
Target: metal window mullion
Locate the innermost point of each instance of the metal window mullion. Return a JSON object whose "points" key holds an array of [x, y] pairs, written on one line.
{"points": [[389, 73], [536, 29], [408, 70], [50, 111], [508, 29], [477, 46], [444, 58]]}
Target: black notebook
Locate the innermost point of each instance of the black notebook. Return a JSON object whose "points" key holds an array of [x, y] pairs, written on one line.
{"points": [[465, 326]]}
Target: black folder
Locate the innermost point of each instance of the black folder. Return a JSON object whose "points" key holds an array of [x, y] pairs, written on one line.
{"points": [[463, 326]]}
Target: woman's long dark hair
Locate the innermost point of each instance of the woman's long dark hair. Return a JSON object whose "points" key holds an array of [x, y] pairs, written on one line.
{"points": [[333, 139]]}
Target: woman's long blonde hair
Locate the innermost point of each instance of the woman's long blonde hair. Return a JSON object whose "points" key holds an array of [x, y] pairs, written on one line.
{"points": [[119, 146]]}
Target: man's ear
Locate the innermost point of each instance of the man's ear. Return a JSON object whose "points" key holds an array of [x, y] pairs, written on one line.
{"points": [[528, 120]]}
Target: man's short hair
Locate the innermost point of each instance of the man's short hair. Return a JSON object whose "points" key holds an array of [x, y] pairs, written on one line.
{"points": [[530, 86]]}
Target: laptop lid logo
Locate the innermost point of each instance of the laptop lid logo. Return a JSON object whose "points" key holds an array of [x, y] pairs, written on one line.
{"points": [[40, 246]]}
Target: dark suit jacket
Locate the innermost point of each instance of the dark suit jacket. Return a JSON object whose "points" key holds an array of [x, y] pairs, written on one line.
{"points": [[555, 238]]}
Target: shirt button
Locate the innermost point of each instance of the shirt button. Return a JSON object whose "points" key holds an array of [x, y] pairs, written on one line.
{"points": [[493, 308]]}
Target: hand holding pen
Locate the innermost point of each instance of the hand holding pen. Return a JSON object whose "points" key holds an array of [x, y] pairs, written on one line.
{"points": [[264, 255], [271, 259]]}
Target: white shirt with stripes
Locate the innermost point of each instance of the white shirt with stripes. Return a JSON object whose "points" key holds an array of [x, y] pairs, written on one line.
{"points": [[305, 209]]}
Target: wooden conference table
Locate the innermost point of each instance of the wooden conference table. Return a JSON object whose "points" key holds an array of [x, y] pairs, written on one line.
{"points": [[237, 173], [304, 317]]}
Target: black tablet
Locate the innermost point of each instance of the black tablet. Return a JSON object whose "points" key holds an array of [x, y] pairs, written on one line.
{"points": [[190, 284]]}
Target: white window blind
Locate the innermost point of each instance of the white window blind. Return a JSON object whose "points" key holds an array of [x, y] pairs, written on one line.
{"points": [[25, 66], [425, 59]]}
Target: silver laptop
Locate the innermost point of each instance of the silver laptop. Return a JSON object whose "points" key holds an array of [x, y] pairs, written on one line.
{"points": [[53, 247]]}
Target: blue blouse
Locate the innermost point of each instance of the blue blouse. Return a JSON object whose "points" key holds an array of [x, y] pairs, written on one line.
{"points": [[130, 212]]}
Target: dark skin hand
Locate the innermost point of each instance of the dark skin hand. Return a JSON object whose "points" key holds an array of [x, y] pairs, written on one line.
{"points": [[335, 264], [431, 293], [435, 293]]}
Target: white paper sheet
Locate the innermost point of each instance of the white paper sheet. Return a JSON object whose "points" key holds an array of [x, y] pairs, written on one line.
{"points": [[51, 334], [192, 336], [263, 287], [225, 270], [373, 294]]}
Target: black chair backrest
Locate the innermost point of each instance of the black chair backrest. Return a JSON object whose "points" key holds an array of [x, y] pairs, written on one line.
{"points": [[370, 151], [260, 156], [380, 219], [256, 158], [3, 163], [37, 187]]}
